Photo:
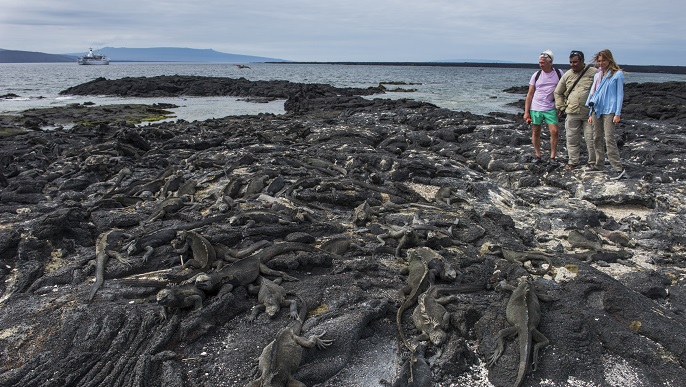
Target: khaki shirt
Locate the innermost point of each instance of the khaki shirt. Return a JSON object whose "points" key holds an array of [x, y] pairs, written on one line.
{"points": [[575, 103]]}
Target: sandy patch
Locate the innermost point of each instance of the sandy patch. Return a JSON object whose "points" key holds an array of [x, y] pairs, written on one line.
{"points": [[624, 211], [428, 192]]}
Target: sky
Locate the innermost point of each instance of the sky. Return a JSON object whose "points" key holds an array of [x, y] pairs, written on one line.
{"points": [[638, 32]]}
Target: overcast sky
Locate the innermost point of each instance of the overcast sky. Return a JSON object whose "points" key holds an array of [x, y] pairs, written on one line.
{"points": [[637, 31]]}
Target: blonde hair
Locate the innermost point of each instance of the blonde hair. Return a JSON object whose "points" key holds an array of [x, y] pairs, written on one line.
{"points": [[607, 54]]}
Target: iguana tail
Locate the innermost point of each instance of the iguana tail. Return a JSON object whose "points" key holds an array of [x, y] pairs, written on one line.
{"points": [[524, 334], [100, 263], [398, 320], [144, 283], [266, 254], [542, 271], [524, 355]]}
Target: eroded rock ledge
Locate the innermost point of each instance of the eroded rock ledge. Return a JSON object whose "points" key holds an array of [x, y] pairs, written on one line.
{"points": [[342, 181]]}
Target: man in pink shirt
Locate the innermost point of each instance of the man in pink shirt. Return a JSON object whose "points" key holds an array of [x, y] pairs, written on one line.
{"points": [[540, 104]]}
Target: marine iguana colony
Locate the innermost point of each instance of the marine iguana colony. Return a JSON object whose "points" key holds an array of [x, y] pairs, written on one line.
{"points": [[342, 202]]}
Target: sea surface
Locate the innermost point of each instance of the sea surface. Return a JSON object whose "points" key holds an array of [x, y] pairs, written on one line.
{"points": [[474, 89]]}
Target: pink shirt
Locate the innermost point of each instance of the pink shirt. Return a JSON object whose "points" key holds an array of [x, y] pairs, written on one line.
{"points": [[545, 87]]}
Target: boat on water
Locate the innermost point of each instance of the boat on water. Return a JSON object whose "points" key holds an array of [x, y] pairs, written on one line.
{"points": [[93, 59]]}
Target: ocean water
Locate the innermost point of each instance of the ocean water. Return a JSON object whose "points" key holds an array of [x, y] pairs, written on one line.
{"points": [[478, 90]]}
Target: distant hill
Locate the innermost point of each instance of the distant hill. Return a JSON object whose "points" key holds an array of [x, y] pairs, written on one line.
{"points": [[14, 56], [175, 54], [122, 54]]}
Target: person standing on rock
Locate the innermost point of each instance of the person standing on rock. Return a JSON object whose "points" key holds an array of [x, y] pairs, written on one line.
{"points": [[540, 104], [571, 94], [605, 102]]}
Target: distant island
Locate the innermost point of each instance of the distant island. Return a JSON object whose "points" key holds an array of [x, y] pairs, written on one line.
{"points": [[179, 54], [14, 56], [122, 54]]}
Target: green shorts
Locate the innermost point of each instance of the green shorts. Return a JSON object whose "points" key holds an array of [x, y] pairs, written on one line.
{"points": [[548, 116]]}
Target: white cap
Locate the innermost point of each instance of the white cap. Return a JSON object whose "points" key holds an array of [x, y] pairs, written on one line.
{"points": [[549, 54]]}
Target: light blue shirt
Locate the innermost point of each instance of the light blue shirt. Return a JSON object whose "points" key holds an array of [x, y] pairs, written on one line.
{"points": [[608, 95]]}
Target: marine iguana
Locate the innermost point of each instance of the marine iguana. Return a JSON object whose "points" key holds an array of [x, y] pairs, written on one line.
{"points": [[617, 237], [407, 238], [328, 165], [431, 317], [340, 245], [280, 359], [118, 179], [246, 270], [204, 255], [255, 186], [523, 312], [171, 184], [415, 371], [252, 216], [152, 186], [425, 265], [233, 255], [585, 239], [180, 297], [363, 214], [604, 258], [231, 189], [449, 195], [187, 190], [166, 207], [105, 247], [271, 298], [519, 257]]}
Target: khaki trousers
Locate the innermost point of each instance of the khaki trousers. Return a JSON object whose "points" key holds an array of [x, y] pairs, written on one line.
{"points": [[577, 125], [604, 137]]}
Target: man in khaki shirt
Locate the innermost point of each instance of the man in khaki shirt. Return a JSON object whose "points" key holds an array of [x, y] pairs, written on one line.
{"points": [[570, 97]]}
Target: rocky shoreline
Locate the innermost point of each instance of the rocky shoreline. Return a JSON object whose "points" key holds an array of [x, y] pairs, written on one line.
{"points": [[342, 193]]}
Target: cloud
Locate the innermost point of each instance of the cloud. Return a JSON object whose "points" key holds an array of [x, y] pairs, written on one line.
{"points": [[354, 30]]}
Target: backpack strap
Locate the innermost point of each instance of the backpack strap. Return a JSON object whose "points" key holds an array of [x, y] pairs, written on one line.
{"points": [[538, 74]]}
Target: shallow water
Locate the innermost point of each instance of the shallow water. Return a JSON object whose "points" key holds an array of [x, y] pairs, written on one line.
{"points": [[478, 90]]}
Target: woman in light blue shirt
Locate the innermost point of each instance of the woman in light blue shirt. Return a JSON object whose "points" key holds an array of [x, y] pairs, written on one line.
{"points": [[605, 101]]}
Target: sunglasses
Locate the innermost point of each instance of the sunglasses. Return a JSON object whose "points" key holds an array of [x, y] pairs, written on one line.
{"points": [[577, 54], [546, 55]]}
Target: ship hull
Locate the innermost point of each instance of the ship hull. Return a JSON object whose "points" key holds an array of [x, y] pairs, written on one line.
{"points": [[93, 62]]}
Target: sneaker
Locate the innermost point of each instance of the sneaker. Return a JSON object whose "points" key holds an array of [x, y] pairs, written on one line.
{"points": [[621, 175], [536, 160]]}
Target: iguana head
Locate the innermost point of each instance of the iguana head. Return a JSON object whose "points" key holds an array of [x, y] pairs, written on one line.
{"points": [[204, 282], [131, 247], [437, 337], [165, 297], [272, 306], [525, 281], [180, 237]]}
